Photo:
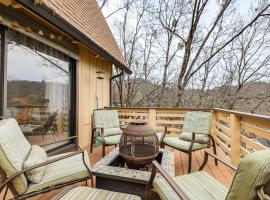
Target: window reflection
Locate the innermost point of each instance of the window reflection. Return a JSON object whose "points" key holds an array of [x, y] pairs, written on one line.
{"points": [[38, 89]]}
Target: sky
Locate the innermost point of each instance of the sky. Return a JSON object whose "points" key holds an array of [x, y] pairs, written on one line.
{"points": [[242, 6]]}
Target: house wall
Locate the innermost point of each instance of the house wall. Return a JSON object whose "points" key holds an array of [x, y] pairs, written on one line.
{"points": [[92, 92]]}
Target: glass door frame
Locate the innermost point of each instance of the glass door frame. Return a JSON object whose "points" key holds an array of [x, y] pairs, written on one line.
{"points": [[73, 90], [3, 51]]}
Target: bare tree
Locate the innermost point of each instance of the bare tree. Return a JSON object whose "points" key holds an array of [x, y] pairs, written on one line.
{"points": [[169, 14], [247, 61], [191, 63], [136, 38], [219, 58], [103, 3]]}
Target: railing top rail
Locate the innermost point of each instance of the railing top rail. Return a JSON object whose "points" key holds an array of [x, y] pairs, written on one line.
{"points": [[243, 114], [161, 108]]}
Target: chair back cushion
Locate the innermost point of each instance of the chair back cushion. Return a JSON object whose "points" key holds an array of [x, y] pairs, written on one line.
{"points": [[106, 119], [198, 122], [14, 149], [252, 174]]}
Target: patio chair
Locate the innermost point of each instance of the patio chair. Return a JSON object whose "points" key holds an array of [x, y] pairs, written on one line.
{"points": [[48, 128], [106, 128], [251, 181], [60, 170], [196, 135], [87, 193]]}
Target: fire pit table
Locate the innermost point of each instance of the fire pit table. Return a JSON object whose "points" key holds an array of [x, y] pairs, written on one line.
{"points": [[139, 145], [112, 173]]}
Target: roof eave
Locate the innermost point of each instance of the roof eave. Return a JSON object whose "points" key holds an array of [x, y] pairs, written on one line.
{"points": [[66, 27]]}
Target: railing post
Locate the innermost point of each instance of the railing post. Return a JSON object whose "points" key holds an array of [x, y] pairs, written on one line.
{"points": [[213, 125], [235, 139], [152, 119]]}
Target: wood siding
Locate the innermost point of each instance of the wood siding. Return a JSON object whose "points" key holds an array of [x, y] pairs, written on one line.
{"points": [[92, 92]]}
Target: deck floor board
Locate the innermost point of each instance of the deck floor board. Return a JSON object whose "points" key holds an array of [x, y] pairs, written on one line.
{"points": [[220, 172]]}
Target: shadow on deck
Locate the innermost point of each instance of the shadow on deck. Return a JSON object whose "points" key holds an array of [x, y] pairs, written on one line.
{"points": [[220, 172]]}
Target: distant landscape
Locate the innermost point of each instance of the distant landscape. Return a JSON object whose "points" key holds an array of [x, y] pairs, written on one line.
{"points": [[252, 98]]}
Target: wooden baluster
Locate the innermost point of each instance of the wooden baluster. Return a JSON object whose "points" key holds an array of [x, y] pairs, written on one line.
{"points": [[235, 139], [152, 119]]}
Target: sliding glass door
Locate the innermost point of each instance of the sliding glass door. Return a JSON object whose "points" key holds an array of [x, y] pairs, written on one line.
{"points": [[39, 89]]}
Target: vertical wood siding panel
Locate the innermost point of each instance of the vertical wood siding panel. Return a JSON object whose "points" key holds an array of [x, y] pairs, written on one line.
{"points": [[89, 89]]}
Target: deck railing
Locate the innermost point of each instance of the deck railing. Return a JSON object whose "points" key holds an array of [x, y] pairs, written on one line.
{"points": [[239, 134], [236, 133]]}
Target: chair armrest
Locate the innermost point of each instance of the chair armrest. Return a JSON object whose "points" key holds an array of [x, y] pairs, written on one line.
{"points": [[165, 133], [48, 144], [44, 164], [207, 154], [193, 139], [171, 182], [122, 125], [163, 136], [101, 134], [63, 192]]}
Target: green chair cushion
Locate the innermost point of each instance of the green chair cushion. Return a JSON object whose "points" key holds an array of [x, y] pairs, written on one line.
{"points": [[110, 131], [253, 172], [14, 149], [198, 185], [111, 140], [87, 193], [199, 138], [198, 122], [106, 119], [183, 145], [62, 171]]}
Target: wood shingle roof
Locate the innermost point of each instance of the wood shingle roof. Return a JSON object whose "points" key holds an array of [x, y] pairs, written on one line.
{"points": [[86, 17]]}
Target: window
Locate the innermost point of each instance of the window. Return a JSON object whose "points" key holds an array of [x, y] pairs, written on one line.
{"points": [[39, 84]]}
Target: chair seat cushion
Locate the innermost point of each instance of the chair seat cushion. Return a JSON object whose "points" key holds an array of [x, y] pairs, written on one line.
{"points": [[199, 138], [183, 145], [62, 171], [198, 185], [111, 140], [87, 193], [36, 156]]}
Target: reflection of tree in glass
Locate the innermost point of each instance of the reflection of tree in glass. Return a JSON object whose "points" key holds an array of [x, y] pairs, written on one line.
{"points": [[58, 66], [11, 77], [55, 65]]}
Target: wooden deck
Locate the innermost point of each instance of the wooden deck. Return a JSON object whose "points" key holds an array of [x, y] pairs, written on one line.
{"points": [[220, 172]]}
